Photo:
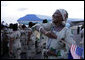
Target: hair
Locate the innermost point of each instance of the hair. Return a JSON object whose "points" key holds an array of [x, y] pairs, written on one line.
{"points": [[45, 21], [31, 24], [23, 26], [82, 26], [11, 25], [15, 27]]}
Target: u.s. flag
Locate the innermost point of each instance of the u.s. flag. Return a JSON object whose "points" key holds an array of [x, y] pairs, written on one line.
{"points": [[76, 51]]}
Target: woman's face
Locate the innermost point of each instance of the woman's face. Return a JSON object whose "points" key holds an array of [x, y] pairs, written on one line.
{"points": [[57, 17]]}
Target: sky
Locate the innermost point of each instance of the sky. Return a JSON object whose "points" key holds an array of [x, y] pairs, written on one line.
{"points": [[11, 11]]}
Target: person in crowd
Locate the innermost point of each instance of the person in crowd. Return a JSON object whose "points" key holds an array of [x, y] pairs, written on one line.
{"points": [[9, 32], [82, 41], [23, 40], [20, 26], [78, 30], [30, 24], [2, 31], [15, 45], [4, 40], [10, 28], [56, 31], [82, 26], [30, 42], [81, 31], [2, 23]]}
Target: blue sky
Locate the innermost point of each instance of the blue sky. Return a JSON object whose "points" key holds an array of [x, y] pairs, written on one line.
{"points": [[11, 11]]}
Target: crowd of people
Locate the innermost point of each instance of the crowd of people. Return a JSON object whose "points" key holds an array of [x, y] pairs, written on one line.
{"points": [[53, 40]]}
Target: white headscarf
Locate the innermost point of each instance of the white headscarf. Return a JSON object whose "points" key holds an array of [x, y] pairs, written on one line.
{"points": [[63, 13]]}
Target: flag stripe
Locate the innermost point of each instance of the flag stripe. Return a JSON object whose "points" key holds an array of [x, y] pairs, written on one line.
{"points": [[73, 52]]}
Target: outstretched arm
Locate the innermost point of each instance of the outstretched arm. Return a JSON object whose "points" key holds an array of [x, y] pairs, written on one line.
{"points": [[45, 32]]}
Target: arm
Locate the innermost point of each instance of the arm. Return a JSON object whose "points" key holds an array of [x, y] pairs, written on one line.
{"points": [[41, 29]]}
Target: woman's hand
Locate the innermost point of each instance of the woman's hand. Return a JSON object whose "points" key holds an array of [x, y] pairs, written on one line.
{"points": [[51, 35]]}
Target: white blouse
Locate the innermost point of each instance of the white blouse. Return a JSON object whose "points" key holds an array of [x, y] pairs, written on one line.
{"points": [[16, 35], [64, 33]]}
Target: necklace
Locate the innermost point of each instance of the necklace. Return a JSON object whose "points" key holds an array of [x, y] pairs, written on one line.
{"points": [[58, 28]]}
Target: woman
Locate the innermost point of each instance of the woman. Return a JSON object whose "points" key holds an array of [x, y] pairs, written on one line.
{"points": [[23, 40], [56, 31], [15, 45], [30, 42]]}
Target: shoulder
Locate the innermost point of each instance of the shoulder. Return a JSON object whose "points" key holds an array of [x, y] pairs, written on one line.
{"points": [[43, 24], [47, 26], [37, 25]]}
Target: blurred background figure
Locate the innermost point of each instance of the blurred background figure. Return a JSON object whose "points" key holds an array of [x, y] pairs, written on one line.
{"points": [[82, 41], [31, 42], [23, 41], [15, 44], [2, 22], [4, 40], [78, 30], [45, 21]]}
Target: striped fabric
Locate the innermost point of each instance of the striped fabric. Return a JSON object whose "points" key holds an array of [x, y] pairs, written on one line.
{"points": [[73, 50]]}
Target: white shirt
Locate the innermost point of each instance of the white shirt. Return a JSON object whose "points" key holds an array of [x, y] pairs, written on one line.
{"points": [[16, 36]]}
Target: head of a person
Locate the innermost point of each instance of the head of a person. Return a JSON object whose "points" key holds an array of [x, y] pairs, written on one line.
{"points": [[45, 21], [23, 26], [15, 27], [60, 16], [10, 25], [2, 22], [82, 26], [30, 24]]}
